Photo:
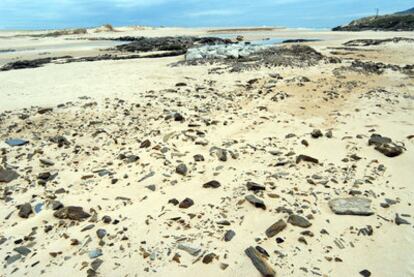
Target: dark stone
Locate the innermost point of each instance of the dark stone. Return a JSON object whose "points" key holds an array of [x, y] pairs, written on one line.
{"points": [[145, 144], [181, 169], [254, 186], [173, 201], [208, 258], [276, 228], [385, 146], [72, 213], [7, 175], [199, 158], [365, 273], [44, 110], [300, 221], [212, 184], [106, 219], [229, 235], [101, 233], [258, 203], [316, 133], [60, 141], [178, 117], [306, 158], [186, 203], [96, 264], [25, 210], [399, 220], [260, 262]]}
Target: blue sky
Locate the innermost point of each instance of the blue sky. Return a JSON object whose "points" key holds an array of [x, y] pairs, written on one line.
{"points": [[48, 14]]}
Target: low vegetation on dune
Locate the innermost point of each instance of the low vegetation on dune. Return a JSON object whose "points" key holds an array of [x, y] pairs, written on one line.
{"points": [[393, 22]]}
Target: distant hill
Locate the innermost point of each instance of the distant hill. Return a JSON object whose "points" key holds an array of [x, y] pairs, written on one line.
{"points": [[409, 11], [401, 21]]}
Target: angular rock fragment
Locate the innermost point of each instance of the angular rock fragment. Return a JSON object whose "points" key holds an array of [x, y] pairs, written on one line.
{"points": [[254, 186], [399, 220], [7, 175], [198, 158], [212, 184], [22, 250], [208, 258], [260, 262], [72, 213], [60, 141], [306, 158], [258, 203], [186, 203], [276, 228], [229, 235], [351, 206], [190, 249], [300, 221], [25, 210], [385, 146]]}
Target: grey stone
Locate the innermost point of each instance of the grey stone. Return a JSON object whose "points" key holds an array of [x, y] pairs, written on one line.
{"points": [[181, 169], [190, 249], [7, 175], [16, 142], [300, 221], [351, 206], [95, 253], [258, 203], [22, 250], [101, 233], [229, 235]]}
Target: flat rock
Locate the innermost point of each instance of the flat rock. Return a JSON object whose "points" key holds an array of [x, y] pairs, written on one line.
{"points": [[229, 235], [276, 228], [17, 142], [212, 184], [7, 175], [254, 186], [306, 158], [351, 206], [72, 213], [258, 203], [300, 221], [260, 262], [190, 249], [22, 250]]}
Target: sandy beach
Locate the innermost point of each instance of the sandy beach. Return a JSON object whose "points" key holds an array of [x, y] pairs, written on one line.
{"points": [[180, 167]]}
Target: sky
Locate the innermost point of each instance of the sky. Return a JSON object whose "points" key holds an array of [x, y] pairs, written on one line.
{"points": [[53, 14]]}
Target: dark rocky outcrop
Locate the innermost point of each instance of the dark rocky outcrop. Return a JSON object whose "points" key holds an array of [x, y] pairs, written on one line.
{"points": [[149, 44], [391, 22]]}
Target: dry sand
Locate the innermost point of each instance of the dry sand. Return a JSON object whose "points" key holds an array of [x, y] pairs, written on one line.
{"points": [[112, 107]]}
